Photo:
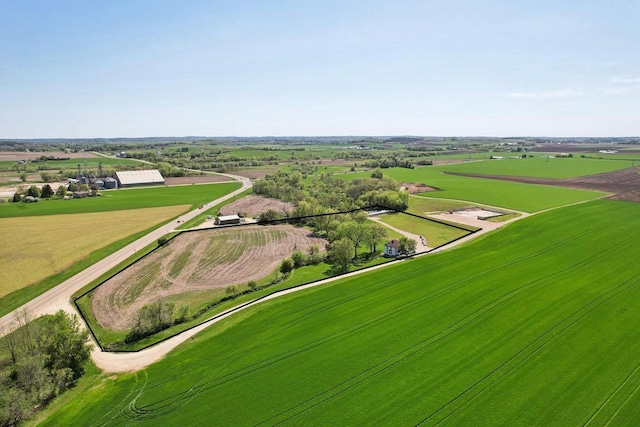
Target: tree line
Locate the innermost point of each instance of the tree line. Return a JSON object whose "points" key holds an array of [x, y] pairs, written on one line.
{"points": [[38, 361]]}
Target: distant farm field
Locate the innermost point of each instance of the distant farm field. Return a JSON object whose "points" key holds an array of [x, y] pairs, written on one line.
{"points": [[36, 247], [539, 167], [114, 200], [510, 195], [533, 325]]}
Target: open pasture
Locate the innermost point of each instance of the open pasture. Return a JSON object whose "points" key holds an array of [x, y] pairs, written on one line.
{"points": [[510, 195], [535, 325], [122, 199], [194, 262], [34, 248]]}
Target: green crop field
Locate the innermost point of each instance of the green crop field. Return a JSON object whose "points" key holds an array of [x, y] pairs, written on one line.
{"points": [[539, 167], [510, 195], [113, 200], [534, 325]]}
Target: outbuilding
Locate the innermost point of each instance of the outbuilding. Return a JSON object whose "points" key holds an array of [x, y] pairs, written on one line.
{"points": [[135, 178], [227, 220]]}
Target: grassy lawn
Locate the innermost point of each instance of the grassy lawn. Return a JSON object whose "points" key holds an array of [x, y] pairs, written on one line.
{"points": [[435, 233], [454, 337], [115, 200], [421, 205], [505, 194], [539, 167]]}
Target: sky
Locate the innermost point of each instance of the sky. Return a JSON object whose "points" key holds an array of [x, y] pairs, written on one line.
{"points": [[71, 69]]}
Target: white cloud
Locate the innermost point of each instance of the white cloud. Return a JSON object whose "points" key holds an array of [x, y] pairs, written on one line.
{"points": [[625, 80], [559, 93]]}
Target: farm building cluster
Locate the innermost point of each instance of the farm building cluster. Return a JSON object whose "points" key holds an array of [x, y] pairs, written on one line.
{"points": [[121, 180]]}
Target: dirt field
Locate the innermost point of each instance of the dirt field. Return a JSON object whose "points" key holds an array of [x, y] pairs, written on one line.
{"points": [[255, 205], [197, 261], [413, 188], [200, 179], [24, 155], [623, 184]]}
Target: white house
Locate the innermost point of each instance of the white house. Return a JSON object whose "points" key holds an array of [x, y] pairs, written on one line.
{"points": [[391, 248]]}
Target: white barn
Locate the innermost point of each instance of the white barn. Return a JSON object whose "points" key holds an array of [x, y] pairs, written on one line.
{"points": [[133, 178]]}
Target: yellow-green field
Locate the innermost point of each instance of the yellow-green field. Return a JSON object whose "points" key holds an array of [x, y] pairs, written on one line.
{"points": [[33, 248]]}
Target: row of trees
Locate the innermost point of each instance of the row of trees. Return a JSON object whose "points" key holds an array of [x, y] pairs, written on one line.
{"points": [[155, 317], [38, 361], [34, 192]]}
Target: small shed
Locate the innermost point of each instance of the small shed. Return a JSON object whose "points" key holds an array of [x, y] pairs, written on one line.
{"points": [[227, 220], [391, 248]]}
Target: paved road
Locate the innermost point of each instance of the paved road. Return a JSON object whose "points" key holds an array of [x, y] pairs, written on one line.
{"points": [[58, 298]]}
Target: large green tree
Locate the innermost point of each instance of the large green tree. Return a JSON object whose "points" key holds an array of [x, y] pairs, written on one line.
{"points": [[340, 253]]}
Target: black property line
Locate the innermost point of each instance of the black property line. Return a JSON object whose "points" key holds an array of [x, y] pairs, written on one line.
{"points": [[257, 300]]}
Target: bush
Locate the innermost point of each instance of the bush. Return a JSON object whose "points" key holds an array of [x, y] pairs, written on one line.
{"points": [[162, 241], [299, 259], [286, 266]]}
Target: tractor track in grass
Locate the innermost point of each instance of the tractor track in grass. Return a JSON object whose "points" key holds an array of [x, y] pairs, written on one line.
{"points": [[562, 325], [173, 404], [413, 350]]}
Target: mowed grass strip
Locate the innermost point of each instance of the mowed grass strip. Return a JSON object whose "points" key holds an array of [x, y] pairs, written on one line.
{"points": [[36, 247], [505, 194], [535, 325], [114, 200]]}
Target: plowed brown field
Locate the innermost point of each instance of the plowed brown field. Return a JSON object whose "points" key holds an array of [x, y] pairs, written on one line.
{"points": [[255, 205], [197, 261]]}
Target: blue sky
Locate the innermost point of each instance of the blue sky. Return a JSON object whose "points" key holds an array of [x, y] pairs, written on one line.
{"points": [[255, 68]]}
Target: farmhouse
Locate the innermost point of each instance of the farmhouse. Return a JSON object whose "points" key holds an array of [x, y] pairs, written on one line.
{"points": [[227, 220], [391, 248], [133, 178]]}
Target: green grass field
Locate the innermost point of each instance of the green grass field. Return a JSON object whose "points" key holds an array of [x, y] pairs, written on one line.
{"points": [[113, 200], [505, 194], [539, 167], [535, 325], [435, 233]]}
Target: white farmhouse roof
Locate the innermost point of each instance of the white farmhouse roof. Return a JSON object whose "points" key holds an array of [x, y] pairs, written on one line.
{"points": [[140, 177], [228, 218]]}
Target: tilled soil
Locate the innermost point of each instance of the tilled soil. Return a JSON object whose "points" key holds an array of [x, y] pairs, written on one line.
{"points": [[197, 261], [255, 205], [623, 184]]}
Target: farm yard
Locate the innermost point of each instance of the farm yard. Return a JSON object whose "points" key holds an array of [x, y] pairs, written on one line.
{"points": [[254, 205], [554, 344], [196, 262]]}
